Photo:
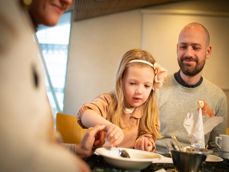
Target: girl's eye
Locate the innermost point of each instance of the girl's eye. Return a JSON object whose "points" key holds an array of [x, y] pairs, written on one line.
{"points": [[132, 83], [147, 86]]}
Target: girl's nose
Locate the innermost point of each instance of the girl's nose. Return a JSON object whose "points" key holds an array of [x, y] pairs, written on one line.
{"points": [[139, 90]]}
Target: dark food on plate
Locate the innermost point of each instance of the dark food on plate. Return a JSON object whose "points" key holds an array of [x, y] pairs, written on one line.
{"points": [[124, 154]]}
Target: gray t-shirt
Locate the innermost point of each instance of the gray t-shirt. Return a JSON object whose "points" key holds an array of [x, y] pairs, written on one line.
{"points": [[175, 101]]}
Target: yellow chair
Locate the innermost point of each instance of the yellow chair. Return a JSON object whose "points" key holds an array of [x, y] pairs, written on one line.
{"points": [[227, 131], [68, 127]]}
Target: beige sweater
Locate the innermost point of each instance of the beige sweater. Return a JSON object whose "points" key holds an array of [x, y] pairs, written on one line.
{"points": [[131, 121]]}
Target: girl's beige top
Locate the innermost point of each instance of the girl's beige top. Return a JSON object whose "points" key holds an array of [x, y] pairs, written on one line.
{"points": [[130, 121]]}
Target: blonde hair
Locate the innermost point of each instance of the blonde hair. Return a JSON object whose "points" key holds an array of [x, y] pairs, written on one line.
{"points": [[149, 123]]}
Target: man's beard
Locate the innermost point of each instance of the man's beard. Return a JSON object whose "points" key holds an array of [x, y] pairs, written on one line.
{"points": [[188, 70]]}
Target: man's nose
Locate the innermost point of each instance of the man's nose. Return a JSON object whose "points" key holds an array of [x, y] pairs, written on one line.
{"points": [[189, 51]]}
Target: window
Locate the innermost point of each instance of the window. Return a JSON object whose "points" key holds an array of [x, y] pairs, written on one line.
{"points": [[54, 46]]}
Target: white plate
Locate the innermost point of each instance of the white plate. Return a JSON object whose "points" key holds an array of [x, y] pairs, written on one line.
{"points": [[213, 158], [138, 159]]}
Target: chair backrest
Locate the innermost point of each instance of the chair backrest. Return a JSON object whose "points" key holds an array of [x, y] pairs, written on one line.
{"points": [[68, 127]]}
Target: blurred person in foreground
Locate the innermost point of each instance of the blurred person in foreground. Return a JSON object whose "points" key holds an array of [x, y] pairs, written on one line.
{"points": [[186, 87], [27, 132]]}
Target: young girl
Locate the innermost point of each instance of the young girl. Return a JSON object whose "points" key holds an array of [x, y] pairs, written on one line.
{"points": [[130, 113]]}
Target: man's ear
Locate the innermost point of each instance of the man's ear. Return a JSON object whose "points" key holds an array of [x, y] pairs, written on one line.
{"points": [[208, 51], [177, 48]]}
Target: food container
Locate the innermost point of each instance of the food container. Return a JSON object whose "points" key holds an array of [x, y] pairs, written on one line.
{"points": [[187, 161]]}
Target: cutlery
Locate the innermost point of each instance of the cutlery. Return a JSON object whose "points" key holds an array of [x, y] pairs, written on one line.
{"points": [[177, 144]]}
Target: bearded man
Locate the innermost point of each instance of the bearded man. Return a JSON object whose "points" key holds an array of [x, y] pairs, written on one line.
{"points": [[183, 90]]}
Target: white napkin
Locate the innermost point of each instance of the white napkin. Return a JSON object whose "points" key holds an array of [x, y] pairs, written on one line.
{"points": [[199, 139], [188, 123], [195, 129]]}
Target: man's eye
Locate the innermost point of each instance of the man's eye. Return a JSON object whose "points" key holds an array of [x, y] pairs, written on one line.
{"points": [[196, 48], [183, 47]]}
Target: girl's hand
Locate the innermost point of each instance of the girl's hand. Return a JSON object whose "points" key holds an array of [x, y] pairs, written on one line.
{"points": [[144, 143], [114, 135]]}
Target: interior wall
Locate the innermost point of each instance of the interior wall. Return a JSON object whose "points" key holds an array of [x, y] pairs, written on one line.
{"points": [[172, 19], [96, 48], [97, 45], [226, 91], [170, 22]]}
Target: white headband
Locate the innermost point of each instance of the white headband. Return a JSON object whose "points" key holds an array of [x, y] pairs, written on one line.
{"points": [[160, 72], [141, 61]]}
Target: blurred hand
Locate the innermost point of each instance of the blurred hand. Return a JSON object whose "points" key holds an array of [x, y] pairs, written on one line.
{"points": [[86, 145], [114, 136], [144, 143]]}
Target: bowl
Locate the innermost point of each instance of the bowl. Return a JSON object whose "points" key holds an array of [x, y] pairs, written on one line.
{"points": [[187, 161], [138, 159]]}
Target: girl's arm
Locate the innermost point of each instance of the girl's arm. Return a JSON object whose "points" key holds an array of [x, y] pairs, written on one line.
{"points": [[115, 134], [90, 118]]}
